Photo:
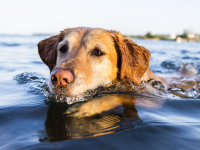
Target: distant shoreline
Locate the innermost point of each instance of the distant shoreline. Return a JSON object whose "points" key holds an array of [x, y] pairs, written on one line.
{"points": [[185, 37], [158, 39]]}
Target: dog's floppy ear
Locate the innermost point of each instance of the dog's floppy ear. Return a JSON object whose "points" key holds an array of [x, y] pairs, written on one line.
{"points": [[134, 59], [47, 50]]}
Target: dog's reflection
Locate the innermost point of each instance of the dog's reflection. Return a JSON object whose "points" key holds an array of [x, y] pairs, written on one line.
{"points": [[100, 116]]}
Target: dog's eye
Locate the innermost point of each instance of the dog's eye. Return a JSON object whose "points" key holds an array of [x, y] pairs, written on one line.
{"points": [[63, 49], [97, 52]]}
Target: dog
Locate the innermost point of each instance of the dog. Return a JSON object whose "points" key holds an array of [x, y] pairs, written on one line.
{"points": [[82, 59]]}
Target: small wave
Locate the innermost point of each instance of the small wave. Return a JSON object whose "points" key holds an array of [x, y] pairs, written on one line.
{"points": [[187, 86], [185, 93], [178, 66], [184, 51], [192, 58], [9, 44], [37, 84], [34, 82], [5, 44], [151, 87], [170, 64], [37, 62]]}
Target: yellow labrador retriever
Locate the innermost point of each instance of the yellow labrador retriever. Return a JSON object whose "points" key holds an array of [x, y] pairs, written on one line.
{"points": [[82, 58]]}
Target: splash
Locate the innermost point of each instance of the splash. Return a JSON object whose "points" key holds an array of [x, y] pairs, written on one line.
{"points": [[185, 93], [34, 83], [174, 65], [37, 84], [186, 86], [153, 87]]}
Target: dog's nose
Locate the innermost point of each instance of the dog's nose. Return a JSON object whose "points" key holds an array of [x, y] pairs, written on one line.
{"points": [[61, 78]]}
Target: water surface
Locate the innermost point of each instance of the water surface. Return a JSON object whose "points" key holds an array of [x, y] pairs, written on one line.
{"points": [[29, 121]]}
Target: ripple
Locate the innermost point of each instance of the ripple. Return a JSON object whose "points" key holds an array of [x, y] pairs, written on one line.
{"points": [[29, 77], [37, 62], [37, 84], [186, 86], [170, 64], [9, 44], [188, 57], [34, 82], [150, 87], [184, 51]]}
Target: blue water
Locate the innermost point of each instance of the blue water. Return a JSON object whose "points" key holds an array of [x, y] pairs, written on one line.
{"points": [[29, 121]]}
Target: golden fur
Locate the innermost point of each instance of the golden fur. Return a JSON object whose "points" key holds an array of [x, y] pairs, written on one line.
{"points": [[122, 58]]}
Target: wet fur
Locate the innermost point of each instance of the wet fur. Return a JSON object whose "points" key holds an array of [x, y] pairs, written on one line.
{"points": [[123, 58]]}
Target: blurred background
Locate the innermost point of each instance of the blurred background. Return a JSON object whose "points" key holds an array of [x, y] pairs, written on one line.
{"points": [[151, 19], [169, 29]]}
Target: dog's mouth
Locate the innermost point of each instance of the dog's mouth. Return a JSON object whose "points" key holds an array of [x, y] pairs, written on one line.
{"points": [[117, 86]]}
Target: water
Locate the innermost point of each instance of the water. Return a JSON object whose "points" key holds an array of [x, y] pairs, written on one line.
{"points": [[28, 120]]}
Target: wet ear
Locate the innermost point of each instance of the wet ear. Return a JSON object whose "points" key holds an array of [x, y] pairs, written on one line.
{"points": [[134, 59], [47, 51]]}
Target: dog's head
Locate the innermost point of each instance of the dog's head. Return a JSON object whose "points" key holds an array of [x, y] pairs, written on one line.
{"points": [[80, 59]]}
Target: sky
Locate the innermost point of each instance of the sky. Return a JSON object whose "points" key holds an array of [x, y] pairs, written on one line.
{"points": [[130, 17]]}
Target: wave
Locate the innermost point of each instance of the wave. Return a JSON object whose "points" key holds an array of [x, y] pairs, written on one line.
{"points": [[37, 84]]}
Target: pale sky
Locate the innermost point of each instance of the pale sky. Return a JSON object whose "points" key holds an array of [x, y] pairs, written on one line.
{"points": [[131, 17]]}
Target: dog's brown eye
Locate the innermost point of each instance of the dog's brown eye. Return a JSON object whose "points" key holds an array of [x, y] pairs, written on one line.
{"points": [[63, 49], [97, 52]]}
